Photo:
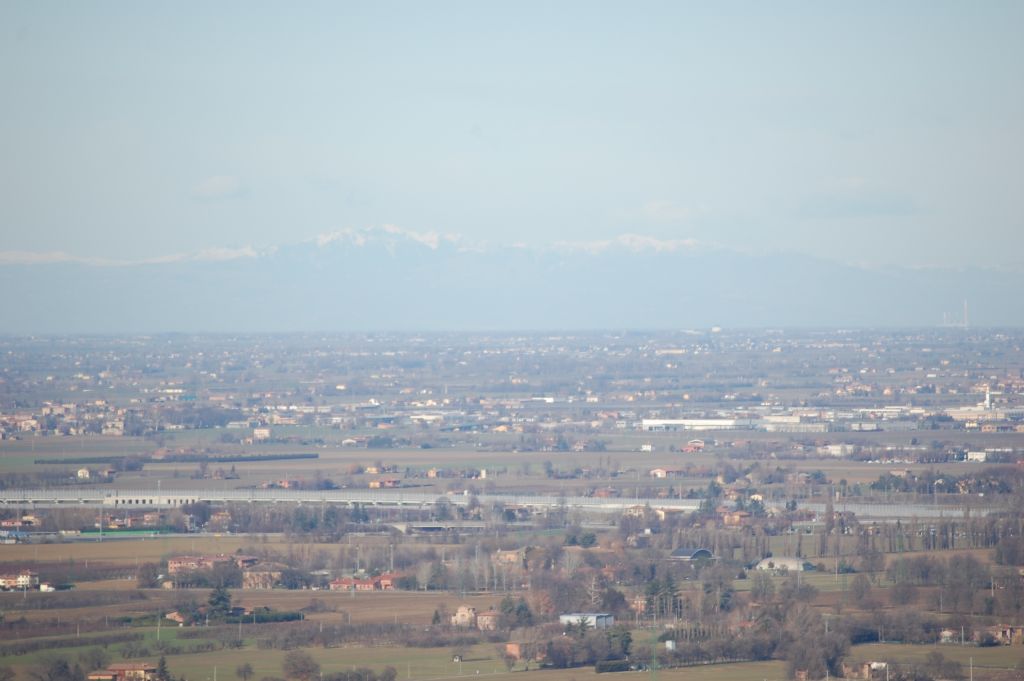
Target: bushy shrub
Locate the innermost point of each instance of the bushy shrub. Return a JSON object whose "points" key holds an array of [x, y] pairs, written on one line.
{"points": [[612, 666]]}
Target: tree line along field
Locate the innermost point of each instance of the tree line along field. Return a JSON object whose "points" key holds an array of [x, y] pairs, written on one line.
{"points": [[835, 597]]}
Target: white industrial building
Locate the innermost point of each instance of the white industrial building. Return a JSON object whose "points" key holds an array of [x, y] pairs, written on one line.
{"points": [[696, 424], [593, 620], [781, 564]]}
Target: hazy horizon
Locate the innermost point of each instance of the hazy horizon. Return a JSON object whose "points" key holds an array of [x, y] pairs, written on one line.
{"points": [[387, 280]]}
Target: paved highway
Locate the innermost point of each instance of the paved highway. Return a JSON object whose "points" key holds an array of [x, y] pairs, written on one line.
{"points": [[171, 498]]}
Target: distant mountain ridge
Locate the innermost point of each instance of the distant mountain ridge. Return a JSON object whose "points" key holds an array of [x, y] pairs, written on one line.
{"points": [[393, 279]]}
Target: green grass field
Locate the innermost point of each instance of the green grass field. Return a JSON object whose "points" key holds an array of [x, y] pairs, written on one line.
{"points": [[998, 657], [422, 664], [434, 663], [414, 663]]}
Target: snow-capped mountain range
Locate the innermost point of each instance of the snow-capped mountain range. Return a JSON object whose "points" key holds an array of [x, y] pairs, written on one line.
{"points": [[389, 278]]}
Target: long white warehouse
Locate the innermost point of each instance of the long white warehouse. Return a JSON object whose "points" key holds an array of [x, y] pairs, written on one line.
{"points": [[696, 424]]}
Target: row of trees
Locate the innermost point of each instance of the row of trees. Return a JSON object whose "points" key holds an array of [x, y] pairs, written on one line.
{"points": [[960, 584], [299, 665]]}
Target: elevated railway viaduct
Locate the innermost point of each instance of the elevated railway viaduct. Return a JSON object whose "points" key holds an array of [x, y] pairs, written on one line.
{"points": [[125, 499]]}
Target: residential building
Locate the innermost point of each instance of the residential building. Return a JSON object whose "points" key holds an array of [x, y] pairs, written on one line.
{"points": [[465, 617], [125, 671], [182, 564], [262, 576], [384, 582], [488, 621], [24, 579]]}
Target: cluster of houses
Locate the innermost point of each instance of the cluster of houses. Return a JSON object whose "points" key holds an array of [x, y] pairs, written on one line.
{"points": [[164, 401], [219, 521], [68, 418], [260, 574], [588, 620], [21, 581], [467, 617], [125, 671], [130, 520], [26, 521], [384, 582], [728, 515], [256, 574], [385, 483], [1003, 634], [295, 483], [182, 564]]}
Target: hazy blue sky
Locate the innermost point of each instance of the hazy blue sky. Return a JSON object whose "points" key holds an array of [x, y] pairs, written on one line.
{"points": [[876, 132]]}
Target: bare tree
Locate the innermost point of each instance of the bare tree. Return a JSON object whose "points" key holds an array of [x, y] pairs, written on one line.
{"points": [[300, 665], [571, 562]]}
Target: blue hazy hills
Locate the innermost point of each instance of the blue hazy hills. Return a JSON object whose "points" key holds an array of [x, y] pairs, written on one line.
{"points": [[375, 280]]}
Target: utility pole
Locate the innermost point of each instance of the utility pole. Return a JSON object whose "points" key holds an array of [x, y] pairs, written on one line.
{"points": [[654, 653]]}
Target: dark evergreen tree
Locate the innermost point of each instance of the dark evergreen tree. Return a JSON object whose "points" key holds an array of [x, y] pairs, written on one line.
{"points": [[162, 674], [219, 603]]}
